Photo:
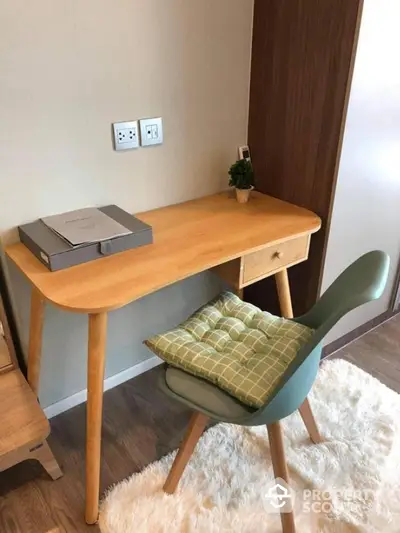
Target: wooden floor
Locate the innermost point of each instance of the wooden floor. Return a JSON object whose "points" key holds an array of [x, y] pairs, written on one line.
{"points": [[378, 353], [140, 426]]}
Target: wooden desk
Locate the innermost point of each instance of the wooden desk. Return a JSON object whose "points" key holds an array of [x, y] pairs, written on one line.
{"points": [[242, 242]]}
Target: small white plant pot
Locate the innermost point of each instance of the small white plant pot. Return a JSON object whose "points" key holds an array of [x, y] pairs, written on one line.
{"points": [[243, 195]]}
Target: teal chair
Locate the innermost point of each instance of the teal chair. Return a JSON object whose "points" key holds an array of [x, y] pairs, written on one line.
{"points": [[360, 283]]}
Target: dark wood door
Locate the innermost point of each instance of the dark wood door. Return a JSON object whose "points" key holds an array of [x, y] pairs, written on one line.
{"points": [[302, 63]]}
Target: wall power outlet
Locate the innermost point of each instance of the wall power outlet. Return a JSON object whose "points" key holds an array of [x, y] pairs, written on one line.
{"points": [[126, 135]]}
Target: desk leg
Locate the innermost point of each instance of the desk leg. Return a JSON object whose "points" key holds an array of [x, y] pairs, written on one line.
{"points": [[285, 300], [96, 361], [35, 339]]}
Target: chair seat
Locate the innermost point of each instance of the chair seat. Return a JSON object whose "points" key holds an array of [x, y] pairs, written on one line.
{"points": [[234, 345], [204, 396]]}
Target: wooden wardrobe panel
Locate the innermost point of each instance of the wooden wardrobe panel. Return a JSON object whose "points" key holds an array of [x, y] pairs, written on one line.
{"points": [[302, 62]]}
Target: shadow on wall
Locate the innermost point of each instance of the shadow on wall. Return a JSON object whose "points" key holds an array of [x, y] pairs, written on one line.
{"points": [[64, 355], [10, 316]]}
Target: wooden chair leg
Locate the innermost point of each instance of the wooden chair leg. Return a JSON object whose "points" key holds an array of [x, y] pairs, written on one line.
{"points": [[196, 427], [280, 469], [45, 456], [309, 421]]}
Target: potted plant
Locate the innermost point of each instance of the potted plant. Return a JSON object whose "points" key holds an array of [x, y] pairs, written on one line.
{"points": [[241, 177]]}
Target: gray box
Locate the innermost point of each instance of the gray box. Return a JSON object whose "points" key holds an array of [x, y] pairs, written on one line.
{"points": [[56, 253]]}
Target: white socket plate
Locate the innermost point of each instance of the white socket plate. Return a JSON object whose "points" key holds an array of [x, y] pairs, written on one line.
{"points": [[126, 135], [151, 131]]}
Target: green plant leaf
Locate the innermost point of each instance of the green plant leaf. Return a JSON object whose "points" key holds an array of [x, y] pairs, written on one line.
{"points": [[241, 174]]}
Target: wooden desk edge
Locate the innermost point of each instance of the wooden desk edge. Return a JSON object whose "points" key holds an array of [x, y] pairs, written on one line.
{"points": [[16, 253], [122, 303]]}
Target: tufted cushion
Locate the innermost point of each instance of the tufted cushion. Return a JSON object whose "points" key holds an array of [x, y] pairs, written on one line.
{"points": [[234, 345]]}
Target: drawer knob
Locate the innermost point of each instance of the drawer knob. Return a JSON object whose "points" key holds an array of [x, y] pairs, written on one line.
{"points": [[279, 255]]}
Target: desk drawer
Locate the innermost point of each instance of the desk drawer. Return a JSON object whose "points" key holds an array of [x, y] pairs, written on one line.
{"points": [[269, 260]]}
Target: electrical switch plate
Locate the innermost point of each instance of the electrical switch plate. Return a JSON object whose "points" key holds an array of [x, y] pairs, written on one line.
{"points": [[126, 135], [151, 131]]}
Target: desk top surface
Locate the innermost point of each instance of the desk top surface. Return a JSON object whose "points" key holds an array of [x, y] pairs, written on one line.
{"points": [[188, 238]]}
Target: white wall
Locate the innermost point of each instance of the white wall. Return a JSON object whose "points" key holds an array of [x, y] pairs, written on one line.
{"points": [[366, 212], [71, 68]]}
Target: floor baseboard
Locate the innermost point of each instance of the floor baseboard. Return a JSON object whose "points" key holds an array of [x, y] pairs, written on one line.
{"points": [[340, 343], [109, 383]]}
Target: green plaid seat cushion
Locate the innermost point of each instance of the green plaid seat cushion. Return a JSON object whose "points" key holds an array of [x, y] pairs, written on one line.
{"points": [[234, 345]]}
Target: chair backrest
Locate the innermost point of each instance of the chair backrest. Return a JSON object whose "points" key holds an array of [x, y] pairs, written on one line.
{"points": [[362, 282]]}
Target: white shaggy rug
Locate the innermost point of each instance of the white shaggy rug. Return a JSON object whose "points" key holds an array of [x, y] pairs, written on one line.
{"points": [[223, 488]]}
